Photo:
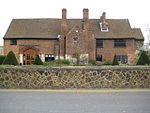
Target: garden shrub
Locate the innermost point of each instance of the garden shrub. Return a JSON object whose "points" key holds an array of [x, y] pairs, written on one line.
{"points": [[2, 58], [10, 59], [38, 60], [143, 59], [57, 63], [78, 58], [63, 62], [107, 63], [115, 62], [92, 62]]}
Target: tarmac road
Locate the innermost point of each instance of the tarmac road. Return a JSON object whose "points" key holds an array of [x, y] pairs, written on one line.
{"points": [[68, 101]]}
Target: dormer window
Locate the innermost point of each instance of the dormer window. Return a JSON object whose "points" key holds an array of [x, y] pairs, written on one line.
{"points": [[104, 26], [103, 23]]}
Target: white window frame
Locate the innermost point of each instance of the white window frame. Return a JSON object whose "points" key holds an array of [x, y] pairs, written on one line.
{"points": [[103, 30]]}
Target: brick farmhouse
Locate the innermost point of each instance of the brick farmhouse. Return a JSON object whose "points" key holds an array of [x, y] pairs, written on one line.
{"points": [[94, 39]]}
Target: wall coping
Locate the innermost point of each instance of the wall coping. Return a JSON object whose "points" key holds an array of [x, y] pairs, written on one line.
{"points": [[78, 67]]}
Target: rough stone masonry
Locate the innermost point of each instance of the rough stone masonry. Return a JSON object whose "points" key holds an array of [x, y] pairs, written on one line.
{"points": [[75, 77]]}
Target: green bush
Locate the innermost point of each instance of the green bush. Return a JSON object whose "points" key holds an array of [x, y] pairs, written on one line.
{"points": [[107, 63], [10, 59], [63, 61], [57, 63], [78, 58], [149, 56], [38, 60], [2, 58], [143, 59], [115, 62], [92, 62]]}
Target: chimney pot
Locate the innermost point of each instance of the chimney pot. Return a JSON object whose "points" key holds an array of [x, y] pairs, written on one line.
{"points": [[85, 13], [64, 13], [104, 14], [103, 17]]}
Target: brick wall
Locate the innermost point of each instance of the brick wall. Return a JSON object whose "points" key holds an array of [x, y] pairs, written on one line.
{"points": [[45, 46], [108, 51], [86, 44], [85, 41]]}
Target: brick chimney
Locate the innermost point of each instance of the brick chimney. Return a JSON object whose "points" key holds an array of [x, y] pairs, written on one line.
{"points": [[64, 14], [103, 17], [85, 13], [64, 30], [64, 27]]}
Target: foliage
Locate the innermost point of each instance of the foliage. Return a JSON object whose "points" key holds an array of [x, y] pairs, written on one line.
{"points": [[2, 58], [137, 58], [92, 62], [148, 55], [107, 63], [115, 62], [143, 59], [78, 58], [38, 60], [10, 59], [57, 63], [64, 62]]}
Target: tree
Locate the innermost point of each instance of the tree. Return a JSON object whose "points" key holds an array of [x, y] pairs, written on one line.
{"points": [[38, 60], [115, 62], [10, 59], [143, 59]]}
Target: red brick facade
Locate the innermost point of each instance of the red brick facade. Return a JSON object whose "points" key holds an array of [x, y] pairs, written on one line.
{"points": [[40, 47], [81, 41], [109, 51], [63, 38]]}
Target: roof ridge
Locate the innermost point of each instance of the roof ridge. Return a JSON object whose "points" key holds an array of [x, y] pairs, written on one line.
{"points": [[34, 18]]}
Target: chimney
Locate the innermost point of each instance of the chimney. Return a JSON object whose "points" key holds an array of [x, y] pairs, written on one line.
{"points": [[64, 14], [85, 13], [64, 30], [64, 27], [103, 17]]}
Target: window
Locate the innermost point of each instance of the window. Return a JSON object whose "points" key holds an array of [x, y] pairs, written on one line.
{"points": [[122, 58], [75, 40], [49, 57], [120, 43], [13, 42], [99, 58], [104, 26], [77, 31], [99, 43]]}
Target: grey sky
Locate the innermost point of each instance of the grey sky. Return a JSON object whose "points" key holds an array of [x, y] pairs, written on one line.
{"points": [[137, 11]]}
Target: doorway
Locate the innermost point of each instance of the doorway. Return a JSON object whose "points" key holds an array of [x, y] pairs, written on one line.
{"points": [[29, 56]]}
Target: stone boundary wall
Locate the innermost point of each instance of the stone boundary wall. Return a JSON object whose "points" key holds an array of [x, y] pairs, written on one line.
{"points": [[75, 77]]}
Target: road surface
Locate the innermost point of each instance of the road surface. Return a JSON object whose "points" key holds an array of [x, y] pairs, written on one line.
{"points": [[82, 101]]}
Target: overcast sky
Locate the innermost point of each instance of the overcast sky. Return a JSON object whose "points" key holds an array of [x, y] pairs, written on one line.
{"points": [[137, 11]]}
